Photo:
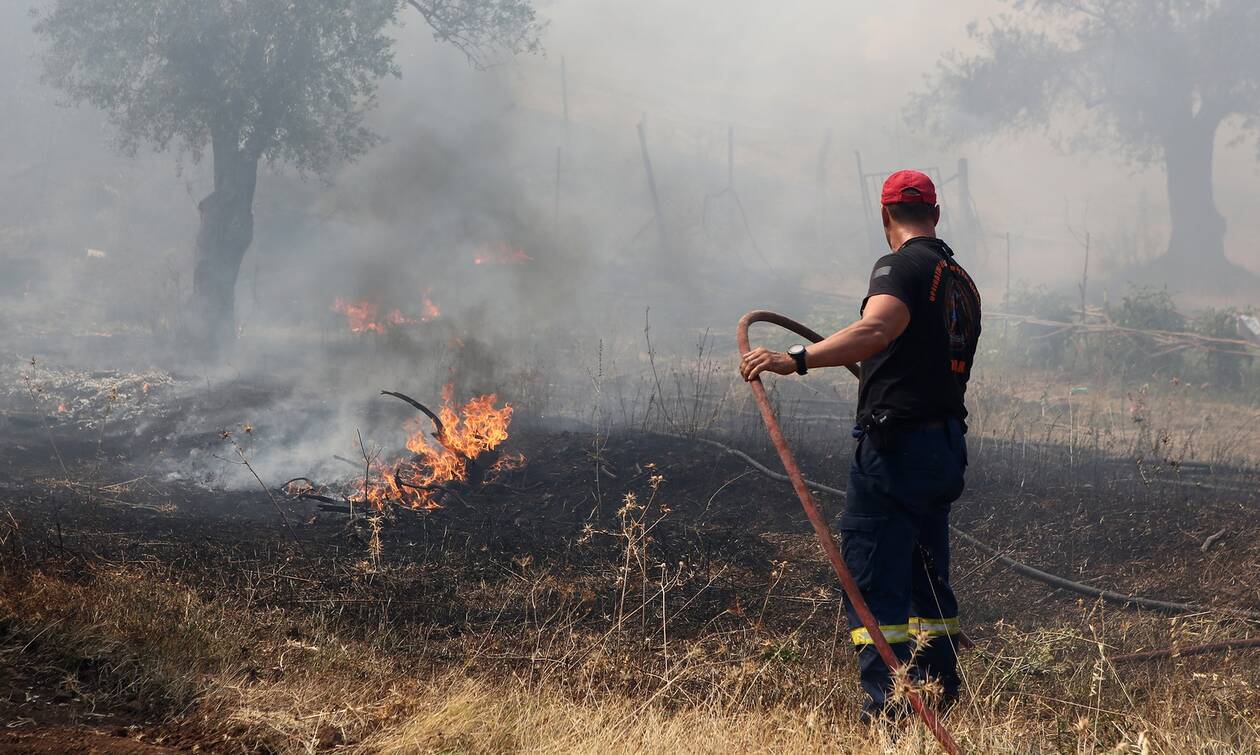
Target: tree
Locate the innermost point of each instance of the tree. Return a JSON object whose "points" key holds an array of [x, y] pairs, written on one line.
{"points": [[288, 82], [1152, 80]]}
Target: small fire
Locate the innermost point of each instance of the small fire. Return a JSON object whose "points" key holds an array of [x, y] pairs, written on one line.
{"points": [[364, 316], [500, 255], [61, 409], [429, 310], [469, 431], [507, 463], [361, 315]]}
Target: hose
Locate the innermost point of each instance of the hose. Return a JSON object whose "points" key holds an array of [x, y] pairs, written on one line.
{"points": [[1054, 580], [825, 538], [1044, 577], [1179, 652]]}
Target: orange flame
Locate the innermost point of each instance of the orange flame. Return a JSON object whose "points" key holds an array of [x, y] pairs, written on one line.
{"points": [[507, 463], [471, 430], [363, 316], [501, 255], [61, 408]]}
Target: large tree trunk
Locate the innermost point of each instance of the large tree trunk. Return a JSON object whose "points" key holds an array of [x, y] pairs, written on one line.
{"points": [[1197, 245], [227, 229]]}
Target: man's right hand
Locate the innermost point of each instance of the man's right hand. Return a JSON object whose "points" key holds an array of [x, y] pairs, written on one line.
{"points": [[761, 360]]}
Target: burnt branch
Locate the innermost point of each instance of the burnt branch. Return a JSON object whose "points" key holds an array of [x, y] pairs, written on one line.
{"points": [[309, 496], [440, 432], [311, 493], [492, 485], [284, 486]]}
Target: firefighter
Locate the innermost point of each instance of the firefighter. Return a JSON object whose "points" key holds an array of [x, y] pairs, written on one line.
{"points": [[915, 342]]}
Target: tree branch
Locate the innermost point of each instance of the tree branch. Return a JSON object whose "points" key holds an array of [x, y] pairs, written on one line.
{"points": [[478, 27]]}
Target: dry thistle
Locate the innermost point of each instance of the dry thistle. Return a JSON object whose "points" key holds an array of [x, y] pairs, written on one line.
{"points": [[920, 638], [630, 502], [374, 543]]}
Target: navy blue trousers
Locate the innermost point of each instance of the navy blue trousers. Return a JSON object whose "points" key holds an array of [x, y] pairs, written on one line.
{"points": [[894, 534]]}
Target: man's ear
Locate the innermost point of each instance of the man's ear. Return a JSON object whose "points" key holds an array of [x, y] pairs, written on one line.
{"points": [[885, 217], [936, 215]]}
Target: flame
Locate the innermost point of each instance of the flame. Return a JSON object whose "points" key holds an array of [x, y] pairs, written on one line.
{"points": [[61, 408], [507, 463], [364, 316], [500, 255], [361, 315], [469, 431]]}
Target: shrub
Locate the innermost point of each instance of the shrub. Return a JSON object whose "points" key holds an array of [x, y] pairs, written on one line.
{"points": [[1146, 308], [1222, 365], [1035, 344]]}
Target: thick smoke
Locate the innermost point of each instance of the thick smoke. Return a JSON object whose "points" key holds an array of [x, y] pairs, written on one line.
{"points": [[523, 243]]}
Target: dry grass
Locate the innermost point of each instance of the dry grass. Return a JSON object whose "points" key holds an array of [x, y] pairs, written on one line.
{"points": [[264, 679], [1164, 417], [253, 673]]}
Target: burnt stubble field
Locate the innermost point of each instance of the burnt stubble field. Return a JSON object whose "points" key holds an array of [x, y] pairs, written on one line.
{"points": [[623, 585]]}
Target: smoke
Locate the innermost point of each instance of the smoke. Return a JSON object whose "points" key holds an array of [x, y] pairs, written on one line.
{"points": [[515, 201]]}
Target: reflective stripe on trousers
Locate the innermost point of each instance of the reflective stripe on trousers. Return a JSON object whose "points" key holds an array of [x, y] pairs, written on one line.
{"points": [[944, 627]]}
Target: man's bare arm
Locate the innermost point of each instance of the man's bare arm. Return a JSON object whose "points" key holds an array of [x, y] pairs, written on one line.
{"points": [[884, 319]]}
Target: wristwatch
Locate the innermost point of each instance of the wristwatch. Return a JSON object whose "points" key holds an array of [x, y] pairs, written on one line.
{"points": [[797, 353]]}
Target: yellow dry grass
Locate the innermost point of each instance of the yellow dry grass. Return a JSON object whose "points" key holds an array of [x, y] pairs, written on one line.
{"points": [[264, 680]]}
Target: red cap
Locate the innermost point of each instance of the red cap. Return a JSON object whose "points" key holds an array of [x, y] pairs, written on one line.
{"points": [[908, 186]]}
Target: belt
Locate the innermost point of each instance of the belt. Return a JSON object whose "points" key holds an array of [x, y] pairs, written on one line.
{"points": [[909, 427], [931, 424]]}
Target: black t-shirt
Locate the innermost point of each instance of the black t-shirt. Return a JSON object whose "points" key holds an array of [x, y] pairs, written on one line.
{"points": [[922, 375]]}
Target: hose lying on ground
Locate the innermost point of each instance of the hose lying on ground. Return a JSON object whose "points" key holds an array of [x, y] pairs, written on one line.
{"points": [[1178, 652], [1044, 577]]}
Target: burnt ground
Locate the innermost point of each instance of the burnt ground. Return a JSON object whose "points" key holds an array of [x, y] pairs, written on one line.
{"points": [[1132, 525]]}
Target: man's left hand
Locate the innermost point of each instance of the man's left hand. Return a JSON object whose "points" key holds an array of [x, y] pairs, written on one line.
{"points": [[761, 360]]}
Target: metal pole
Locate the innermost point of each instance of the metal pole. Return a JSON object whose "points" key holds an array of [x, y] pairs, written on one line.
{"points": [[967, 229], [730, 156], [1006, 303], [556, 208], [564, 91], [820, 177], [661, 232], [866, 204]]}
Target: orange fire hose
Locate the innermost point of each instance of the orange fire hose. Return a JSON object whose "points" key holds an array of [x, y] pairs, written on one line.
{"points": [[825, 537]]}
